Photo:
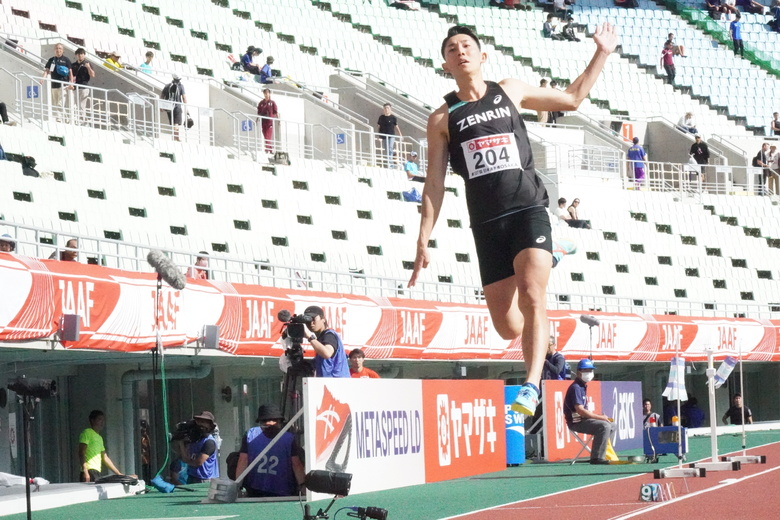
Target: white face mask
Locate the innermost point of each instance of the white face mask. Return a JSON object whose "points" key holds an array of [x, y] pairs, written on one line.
{"points": [[587, 376]]}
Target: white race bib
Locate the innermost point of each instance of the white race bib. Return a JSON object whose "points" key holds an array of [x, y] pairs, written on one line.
{"points": [[485, 155]]}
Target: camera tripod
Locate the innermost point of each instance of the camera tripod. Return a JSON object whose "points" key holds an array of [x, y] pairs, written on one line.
{"points": [[292, 393]]}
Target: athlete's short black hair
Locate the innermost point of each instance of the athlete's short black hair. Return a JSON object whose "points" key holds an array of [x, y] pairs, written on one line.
{"points": [[456, 30]]}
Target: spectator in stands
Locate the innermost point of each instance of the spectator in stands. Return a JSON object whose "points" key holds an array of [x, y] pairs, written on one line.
{"points": [[651, 419], [700, 151], [761, 160], [568, 30], [356, 368], [572, 209], [548, 29], [687, 123], [412, 168], [268, 111], [266, 74], [58, 67], [736, 36], [388, 128], [146, 66], [628, 4], [564, 215], [247, 60], [200, 271], [667, 61], [542, 115], [82, 73], [113, 61], [750, 6], [4, 115], [775, 12], [553, 116], [173, 93], [7, 244], [637, 158], [69, 254], [562, 8], [718, 8], [774, 126], [774, 169], [738, 414], [679, 50]]}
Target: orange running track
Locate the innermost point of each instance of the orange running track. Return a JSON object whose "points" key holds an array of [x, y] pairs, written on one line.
{"points": [[752, 493]]}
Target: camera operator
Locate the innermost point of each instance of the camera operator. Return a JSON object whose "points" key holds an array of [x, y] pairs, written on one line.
{"points": [[330, 359], [280, 472], [199, 451]]}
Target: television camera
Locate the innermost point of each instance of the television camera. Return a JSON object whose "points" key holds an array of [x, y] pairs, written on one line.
{"points": [[294, 327]]}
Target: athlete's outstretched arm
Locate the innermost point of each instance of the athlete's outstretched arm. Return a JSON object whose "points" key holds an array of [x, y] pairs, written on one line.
{"points": [[433, 192], [548, 99]]}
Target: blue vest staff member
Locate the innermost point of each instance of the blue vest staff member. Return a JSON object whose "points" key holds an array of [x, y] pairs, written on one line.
{"points": [[201, 455], [581, 420], [280, 472], [330, 359]]}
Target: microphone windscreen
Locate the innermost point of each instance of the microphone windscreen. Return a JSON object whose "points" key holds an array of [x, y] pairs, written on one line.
{"points": [[166, 269], [284, 315], [589, 320]]}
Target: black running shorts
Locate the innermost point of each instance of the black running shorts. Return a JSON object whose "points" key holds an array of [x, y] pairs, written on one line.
{"points": [[498, 241]]}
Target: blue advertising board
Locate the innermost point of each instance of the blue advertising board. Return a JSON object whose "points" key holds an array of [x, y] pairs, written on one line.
{"points": [[515, 428]]}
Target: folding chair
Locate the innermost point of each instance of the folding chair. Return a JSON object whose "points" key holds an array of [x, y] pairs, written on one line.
{"points": [[585, 445]]}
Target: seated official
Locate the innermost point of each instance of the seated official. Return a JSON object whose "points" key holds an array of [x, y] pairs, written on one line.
{"points": [[280, 473], [581, 420], [201, 454]]}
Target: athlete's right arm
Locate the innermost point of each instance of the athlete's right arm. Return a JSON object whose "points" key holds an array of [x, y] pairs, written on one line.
{"points": [[433, 192]]}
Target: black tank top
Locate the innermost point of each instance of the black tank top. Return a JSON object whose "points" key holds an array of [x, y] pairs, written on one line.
{"points": [[489, 148]]}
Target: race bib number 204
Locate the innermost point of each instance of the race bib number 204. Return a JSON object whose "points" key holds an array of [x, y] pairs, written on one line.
{"points": [[485, 155]]}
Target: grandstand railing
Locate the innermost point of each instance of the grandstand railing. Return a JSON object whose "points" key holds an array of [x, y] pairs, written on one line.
{"points": [[695, 179], [45, 243]]}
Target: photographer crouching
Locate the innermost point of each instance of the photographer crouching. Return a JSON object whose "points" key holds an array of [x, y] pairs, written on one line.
{"points": [[199, 447], [330, 359]]}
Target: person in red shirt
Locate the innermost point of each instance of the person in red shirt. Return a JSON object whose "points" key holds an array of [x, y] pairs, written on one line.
{"points": [[268, 110], [667, 60], [356, 368]]}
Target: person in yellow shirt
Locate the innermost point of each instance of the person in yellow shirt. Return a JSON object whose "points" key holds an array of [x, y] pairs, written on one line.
{"points": [[92, 451], [113, 62]]}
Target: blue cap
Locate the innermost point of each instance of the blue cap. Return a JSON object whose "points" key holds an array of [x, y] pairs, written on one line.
{"points": [[585, 364]]}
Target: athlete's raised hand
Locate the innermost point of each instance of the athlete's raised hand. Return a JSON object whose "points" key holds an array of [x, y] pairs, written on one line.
{"points": [[606, 38]]}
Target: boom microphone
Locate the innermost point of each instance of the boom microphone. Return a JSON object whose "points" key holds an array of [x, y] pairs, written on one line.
{"points": [[589, 320], [166, 269], [284, 315]]}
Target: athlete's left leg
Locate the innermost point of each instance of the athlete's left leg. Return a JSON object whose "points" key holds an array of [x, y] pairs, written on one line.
{"points": [[518, 307]]}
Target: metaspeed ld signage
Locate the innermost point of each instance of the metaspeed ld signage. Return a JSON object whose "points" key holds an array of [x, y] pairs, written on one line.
{"points": [[394, 433]]}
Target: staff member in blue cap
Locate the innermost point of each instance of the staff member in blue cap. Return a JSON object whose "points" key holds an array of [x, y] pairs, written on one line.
{"points": [[581, 420], [330, 359]]}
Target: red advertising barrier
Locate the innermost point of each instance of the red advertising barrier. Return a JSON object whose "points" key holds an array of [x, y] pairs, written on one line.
{"points": [[464, 427], [117, 310]]}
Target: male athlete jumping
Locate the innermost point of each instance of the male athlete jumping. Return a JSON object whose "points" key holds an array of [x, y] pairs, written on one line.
{"points": [[479, 130]]}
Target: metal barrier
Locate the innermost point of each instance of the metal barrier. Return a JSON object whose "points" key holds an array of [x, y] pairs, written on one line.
{"points": [[696, 179], [45, 243]]}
